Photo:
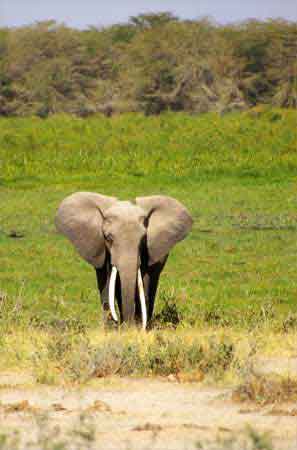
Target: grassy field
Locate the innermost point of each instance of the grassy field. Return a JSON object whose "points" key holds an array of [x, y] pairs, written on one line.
{"points": [[236, 174]]}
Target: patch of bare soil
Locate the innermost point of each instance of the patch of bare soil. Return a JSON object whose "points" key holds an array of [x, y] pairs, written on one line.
{"points": [[137, 414]]}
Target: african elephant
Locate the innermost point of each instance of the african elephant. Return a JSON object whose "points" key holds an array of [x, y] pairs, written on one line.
{"points": [[131, 239]]}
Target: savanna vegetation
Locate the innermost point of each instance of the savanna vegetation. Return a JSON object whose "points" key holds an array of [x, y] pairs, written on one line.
{"points": [[235, 275], [152, 63], [228, 295]]}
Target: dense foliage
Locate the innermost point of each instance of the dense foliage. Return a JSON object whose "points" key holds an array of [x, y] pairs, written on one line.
{"points": [[154, 62]]}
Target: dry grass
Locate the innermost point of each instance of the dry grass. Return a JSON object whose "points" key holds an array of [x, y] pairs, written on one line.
{"points": [[266, 390], [221, 356]]}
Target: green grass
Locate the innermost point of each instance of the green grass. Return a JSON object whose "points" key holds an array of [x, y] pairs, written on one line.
{"points": [[236, 174]]}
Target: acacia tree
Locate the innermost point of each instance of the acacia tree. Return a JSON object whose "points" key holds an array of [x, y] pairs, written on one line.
{"points": [[267, 54], [181, 66], [281, 63], [6, 91], [48, 66], [152, 20]]}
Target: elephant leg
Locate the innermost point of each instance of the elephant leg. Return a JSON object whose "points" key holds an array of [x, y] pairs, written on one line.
{"points": [[103, 277], [150, 283]]}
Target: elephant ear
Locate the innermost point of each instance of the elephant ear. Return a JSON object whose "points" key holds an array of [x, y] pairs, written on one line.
{"points": [[168, 223], [80, 218]]}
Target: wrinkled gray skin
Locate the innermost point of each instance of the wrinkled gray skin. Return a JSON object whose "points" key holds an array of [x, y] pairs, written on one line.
{"points": [[108, 232]]}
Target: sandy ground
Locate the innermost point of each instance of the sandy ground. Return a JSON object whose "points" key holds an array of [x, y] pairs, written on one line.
{"points": [[135, 414]]}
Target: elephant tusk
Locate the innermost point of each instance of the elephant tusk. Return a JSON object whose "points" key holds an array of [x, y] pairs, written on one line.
{"points": [[111, 296], [142, 300]]}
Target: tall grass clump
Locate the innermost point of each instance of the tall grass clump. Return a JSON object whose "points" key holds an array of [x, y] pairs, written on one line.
{"points": [[159, 354]]}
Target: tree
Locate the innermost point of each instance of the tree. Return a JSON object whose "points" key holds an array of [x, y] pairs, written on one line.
{"points": [[152, 20], [152, 63]]}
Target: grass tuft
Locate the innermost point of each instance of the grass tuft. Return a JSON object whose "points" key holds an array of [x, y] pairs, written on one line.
{"points": [[266, 390]]}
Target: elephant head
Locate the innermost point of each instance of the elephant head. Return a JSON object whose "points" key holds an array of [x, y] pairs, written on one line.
{"points": [[124, 233]]}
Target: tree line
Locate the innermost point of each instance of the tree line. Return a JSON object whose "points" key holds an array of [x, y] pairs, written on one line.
{"points": [[152, 63]]}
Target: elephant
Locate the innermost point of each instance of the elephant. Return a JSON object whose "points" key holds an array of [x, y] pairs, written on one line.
{"points": [[127, 243]]}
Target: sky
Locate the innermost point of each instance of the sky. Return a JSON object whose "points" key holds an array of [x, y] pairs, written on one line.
{"points": [[82, 13]]}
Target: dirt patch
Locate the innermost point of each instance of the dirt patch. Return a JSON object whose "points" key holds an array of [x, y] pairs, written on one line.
{"points": [[138, 414]]}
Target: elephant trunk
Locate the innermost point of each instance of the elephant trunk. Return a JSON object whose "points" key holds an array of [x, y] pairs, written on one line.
{"points": [[131, 280], [128, 278]]}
